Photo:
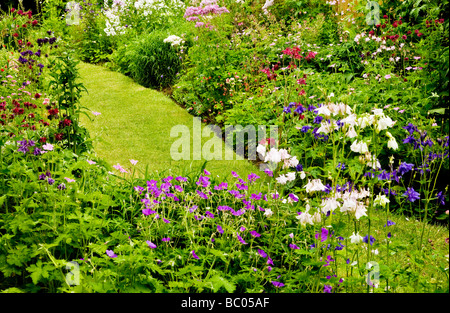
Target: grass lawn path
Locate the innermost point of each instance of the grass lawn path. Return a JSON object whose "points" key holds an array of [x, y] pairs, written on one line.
{"points": [[135, 123]]}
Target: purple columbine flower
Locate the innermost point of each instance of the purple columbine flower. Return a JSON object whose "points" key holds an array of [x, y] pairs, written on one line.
{"points": [[410, 128], [389, 223], [50, 181], [372, 240], [441, 198], [61, 186], [411, 194], [405, 168]]}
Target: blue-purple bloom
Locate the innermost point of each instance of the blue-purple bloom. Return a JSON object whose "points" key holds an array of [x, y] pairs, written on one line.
{"points": [[405, 168], [411, 194], [372, 240], [254, 233]]}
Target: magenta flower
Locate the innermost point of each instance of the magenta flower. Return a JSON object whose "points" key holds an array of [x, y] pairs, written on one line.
{"points": [[148, 211], [323, 235], [202, 195], [220, 229], [151, 244], [254, 234], [166, 239], [240, 239], [194, 255], [262, 253], [111, 254], [166, 221], [277, 284]]}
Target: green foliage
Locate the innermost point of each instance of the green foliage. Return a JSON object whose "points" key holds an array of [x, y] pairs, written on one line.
{"points": [[151, 61]]}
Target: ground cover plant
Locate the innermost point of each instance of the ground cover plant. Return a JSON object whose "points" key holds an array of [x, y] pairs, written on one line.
{"points": [[349, 195]]}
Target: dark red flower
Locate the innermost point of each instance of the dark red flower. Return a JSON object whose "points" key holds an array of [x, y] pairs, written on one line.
{"points": [[43, 139], [59, 137]]}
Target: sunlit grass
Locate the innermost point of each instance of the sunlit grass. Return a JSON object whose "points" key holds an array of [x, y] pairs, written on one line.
{"points": [[135, 123]]}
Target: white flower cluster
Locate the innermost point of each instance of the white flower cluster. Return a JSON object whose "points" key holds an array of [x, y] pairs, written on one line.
{"points": [[276, 156], [174, 40], [150, 10]]}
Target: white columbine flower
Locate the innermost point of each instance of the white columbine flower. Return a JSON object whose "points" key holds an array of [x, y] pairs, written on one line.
{"points": [[314, 185], [273, 156], [290, 176], [305, 218], [268, 212], [261, 150], [356, 238], [282, 179], [359, 147], [381, 200], [392, 143], [384, 122]]}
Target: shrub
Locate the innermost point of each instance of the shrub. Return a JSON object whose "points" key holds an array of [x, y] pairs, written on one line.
{"points": [[153, 62]]}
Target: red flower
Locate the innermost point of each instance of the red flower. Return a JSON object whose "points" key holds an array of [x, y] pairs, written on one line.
{"points": [[12, 10], [37, 95], [34, 23], [394, 24], [385, 16], [383, 26], [408, 32], [43, 139], [404, 37], [16, 35], [67, 122], [59, 137]]}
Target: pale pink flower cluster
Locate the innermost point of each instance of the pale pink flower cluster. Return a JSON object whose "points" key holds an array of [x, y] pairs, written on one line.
{"points": [[206, 7]]}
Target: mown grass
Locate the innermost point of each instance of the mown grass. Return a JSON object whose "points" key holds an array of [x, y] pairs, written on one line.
{"points": [[135, 123]]}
